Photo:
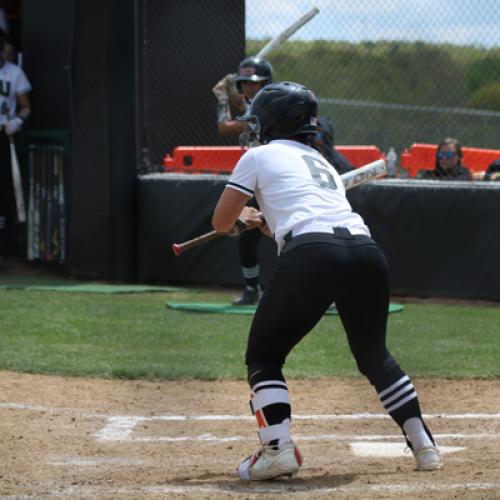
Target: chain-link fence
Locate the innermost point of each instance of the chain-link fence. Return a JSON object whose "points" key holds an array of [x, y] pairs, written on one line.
{"points": [[389, 73]]}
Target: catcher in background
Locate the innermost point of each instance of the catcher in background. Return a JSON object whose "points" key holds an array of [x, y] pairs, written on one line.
{"points": [[234, 94], [324, 142], [326, 255]]}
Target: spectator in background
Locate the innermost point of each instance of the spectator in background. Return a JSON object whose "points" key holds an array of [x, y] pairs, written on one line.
{"points": [[493, 171], [234, 93], [448, 163], [324, 142], [15, 108]]}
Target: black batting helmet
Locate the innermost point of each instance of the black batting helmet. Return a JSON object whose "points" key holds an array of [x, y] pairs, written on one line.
{"points": [[282, 110], [254, 69]]}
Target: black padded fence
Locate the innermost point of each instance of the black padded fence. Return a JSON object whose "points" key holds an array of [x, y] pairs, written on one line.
{"points": [[440, 239]]}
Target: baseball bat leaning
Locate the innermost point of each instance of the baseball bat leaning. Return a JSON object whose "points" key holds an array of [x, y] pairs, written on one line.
{"points": [[16, 180], [62, 208], [31, 204], [350, 179], [287, 33]]}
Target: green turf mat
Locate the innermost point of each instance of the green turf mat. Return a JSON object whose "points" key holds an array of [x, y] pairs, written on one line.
{"points": [[230, 309], [86, 287]]}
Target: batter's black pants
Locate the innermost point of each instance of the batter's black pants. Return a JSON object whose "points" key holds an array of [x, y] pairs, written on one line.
{"points": [[313, 271]]}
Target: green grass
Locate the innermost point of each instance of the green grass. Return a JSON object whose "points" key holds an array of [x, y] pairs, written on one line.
{"points": [[136, 336]]}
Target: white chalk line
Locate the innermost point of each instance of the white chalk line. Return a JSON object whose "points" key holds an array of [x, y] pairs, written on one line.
{"points": [[283, 487], [207, 437], [182, 418], [94, 461], [51, 409], [119, 427], [394, 450]]}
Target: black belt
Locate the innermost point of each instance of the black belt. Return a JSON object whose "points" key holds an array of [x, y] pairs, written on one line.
{"points": [[340, 236]]}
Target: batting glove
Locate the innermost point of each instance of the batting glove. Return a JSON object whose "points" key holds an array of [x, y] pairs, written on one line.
{"points": [[225, 92], [222, 89], [13, 126]]}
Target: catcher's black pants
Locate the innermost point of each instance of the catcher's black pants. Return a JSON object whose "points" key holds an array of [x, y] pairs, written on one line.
{"points": [[313, 271], [248, 242]]}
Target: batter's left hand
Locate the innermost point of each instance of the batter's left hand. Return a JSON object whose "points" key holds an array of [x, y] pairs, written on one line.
{"points": [[251, 217]]}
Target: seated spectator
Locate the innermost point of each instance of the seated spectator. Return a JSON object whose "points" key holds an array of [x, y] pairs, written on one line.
{"points": [[324, 142], [448, 163], [493, 171]]}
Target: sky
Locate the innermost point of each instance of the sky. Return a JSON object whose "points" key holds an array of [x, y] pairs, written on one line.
{"points": [[459, 22]]}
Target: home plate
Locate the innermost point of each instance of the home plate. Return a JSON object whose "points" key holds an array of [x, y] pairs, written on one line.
{"points": [[384, 449]]}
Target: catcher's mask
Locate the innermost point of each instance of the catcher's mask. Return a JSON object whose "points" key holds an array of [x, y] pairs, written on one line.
{"points": [[251, 136]]}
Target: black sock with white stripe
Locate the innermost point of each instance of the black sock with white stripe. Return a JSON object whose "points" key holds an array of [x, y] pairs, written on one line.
{"points": [[251, 277], [400, 401]]}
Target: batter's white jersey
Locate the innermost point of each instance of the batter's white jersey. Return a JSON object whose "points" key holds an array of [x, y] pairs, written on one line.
{"points": [[13, 82], [297, 189]]}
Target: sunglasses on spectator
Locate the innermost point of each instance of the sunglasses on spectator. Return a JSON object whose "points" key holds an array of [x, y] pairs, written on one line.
{"points": [[449, 154]]}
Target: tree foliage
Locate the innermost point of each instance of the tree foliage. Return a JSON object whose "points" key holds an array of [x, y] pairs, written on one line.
{"points": [[487, 97], [396, 93]]}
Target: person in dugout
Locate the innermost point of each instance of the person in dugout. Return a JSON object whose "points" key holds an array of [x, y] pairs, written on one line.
{"points": [[234, 94]]}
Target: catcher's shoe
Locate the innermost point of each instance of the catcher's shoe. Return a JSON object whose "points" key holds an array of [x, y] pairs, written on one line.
{"points": [[269, 463], [250, 297], [428, 458]]}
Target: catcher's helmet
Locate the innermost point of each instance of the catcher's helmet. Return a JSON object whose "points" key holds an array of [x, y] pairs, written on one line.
{"points": [[281, 110], [254, 69]]}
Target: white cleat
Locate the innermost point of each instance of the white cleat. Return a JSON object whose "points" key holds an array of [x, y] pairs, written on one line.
{"points": [[268, 463], [429, 458]]}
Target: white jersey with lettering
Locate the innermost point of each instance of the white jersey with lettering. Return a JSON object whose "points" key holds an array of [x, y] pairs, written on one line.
{"points": [[297, 190], [13, 82]]}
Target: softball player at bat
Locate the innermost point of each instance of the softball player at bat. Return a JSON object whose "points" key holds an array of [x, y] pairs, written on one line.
{"points": [[326, 255]]}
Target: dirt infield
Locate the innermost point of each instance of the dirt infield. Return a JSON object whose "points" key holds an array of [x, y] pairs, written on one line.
{"points": [[86, 438]]}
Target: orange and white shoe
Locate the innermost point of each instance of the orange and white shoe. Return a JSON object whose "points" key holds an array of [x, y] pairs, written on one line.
{"points": [[268, 463]]}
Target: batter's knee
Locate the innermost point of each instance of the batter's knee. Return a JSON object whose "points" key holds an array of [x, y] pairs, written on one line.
{"points": [[380, 370], [260, 371]]}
